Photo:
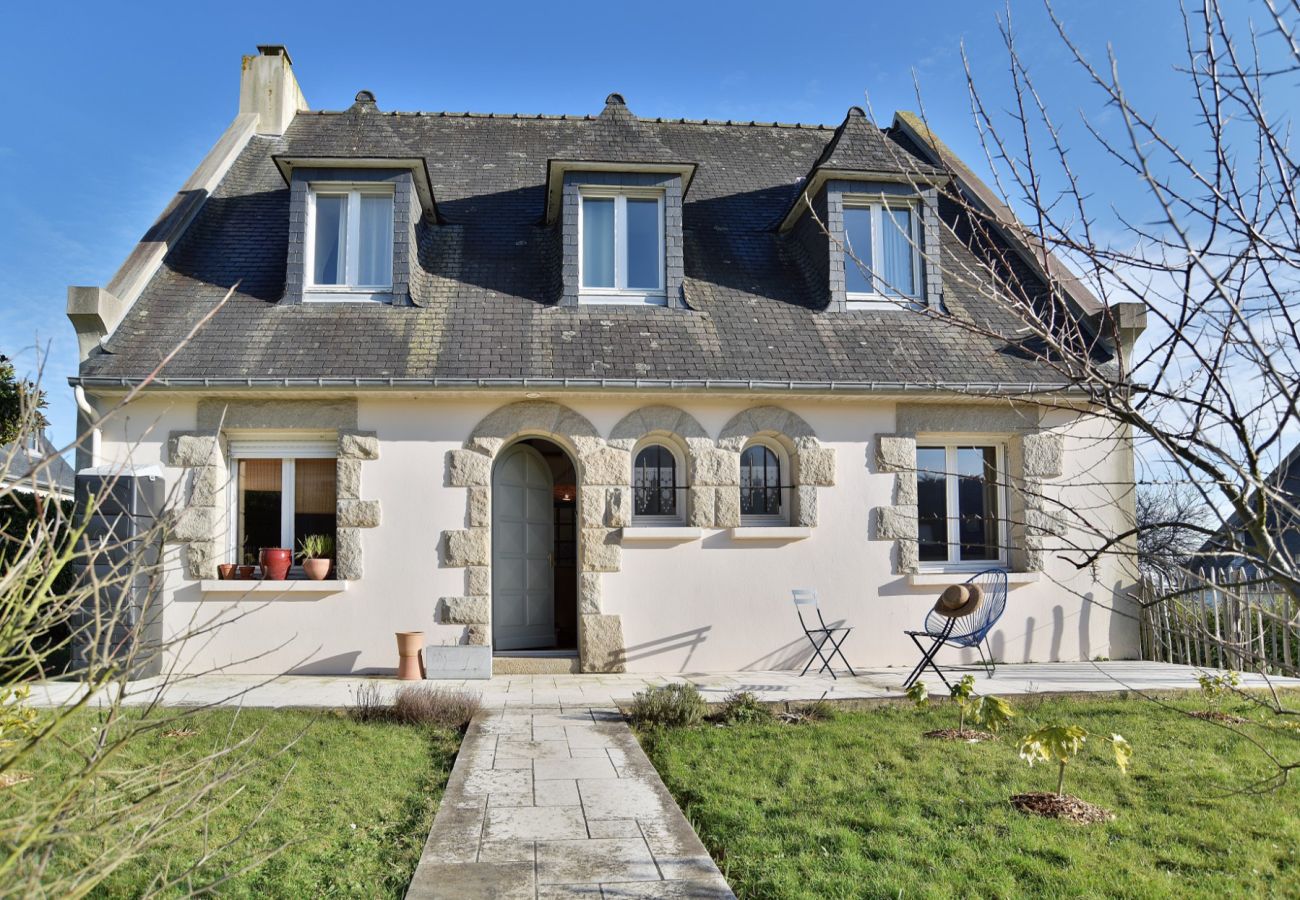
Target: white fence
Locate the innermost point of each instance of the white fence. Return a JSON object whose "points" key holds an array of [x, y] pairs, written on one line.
{"points": [[1220, 621]]}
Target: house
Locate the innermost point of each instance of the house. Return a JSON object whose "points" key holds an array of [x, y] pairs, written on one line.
{"points": [[1224, 549], [32, 464], [593, 391]]}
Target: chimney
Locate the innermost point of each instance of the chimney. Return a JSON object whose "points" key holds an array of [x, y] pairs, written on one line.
{"points": [[268, 89]]}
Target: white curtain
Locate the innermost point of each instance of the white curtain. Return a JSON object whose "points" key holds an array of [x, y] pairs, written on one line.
{"points": [[376, 257], [896, 247], [331, 216], [857, 235], [598, 242]]}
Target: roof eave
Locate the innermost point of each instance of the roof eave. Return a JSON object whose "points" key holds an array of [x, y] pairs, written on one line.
{"points": [[557, 168], [418, 166], [817, 179]]}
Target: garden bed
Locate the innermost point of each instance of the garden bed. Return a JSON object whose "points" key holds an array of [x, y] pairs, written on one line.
{"points": [[863, 805]]}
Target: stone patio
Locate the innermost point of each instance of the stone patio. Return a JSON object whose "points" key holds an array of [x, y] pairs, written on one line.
{"points": [[509, 691], [559, 802]]}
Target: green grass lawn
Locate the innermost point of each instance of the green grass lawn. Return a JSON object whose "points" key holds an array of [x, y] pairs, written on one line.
{"points": [[864, 806], [355, 802]]}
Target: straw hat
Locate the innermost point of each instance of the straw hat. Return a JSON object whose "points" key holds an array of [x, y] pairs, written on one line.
{"points": [[959, 600]]}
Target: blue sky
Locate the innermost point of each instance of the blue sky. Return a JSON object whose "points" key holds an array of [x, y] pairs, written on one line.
{"points": [[111, 105]]}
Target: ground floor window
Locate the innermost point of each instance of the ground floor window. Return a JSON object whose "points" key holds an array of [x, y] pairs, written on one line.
{"points": [[959, 504], [654, 484], [761, 486], [279, 500]]}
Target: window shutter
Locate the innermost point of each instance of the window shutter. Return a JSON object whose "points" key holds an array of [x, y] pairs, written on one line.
{"points": [[283, 448]]}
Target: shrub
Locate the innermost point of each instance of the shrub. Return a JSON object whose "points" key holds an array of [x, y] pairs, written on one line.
{"points": [[744, 708], [368, 705], [670, 705], [816, 711], [427, 704]]}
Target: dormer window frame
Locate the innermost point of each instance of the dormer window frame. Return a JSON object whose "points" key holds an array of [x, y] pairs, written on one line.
{"points": [[349, 289], [883, 296], [620, 292]]}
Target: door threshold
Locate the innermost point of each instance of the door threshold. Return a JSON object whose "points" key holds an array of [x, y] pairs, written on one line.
{"points": [[557, 654]]}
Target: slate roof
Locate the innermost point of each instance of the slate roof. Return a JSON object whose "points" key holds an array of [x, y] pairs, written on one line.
{"points": [[487, 284], [39, 467]]}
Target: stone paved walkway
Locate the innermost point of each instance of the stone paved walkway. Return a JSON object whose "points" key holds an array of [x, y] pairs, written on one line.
{"points": [[559, 802]]}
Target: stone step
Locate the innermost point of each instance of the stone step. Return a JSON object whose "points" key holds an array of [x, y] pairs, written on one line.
{"points": [[535, 665]]}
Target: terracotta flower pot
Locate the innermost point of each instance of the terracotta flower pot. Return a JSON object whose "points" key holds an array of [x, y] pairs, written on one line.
{"points": [[226, 571], [245, 573], [316, 569], [275, 563], [410, 647]]}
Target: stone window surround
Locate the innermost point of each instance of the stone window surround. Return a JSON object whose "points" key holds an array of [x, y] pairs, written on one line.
{"points": [[571, 197], [1034, 456], [201, 523], [604, 467]]}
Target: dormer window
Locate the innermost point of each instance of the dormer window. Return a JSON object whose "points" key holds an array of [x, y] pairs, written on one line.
{"points": [[885, 239], [350, 243], [621, 246]]}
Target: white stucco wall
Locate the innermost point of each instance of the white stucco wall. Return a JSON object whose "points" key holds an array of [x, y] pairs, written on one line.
{"points": [[714, 604]]}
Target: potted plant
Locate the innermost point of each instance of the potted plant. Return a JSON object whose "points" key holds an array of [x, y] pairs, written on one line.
{"points": [[226, 571], [276, 562], [317, 554], [246, 571]]}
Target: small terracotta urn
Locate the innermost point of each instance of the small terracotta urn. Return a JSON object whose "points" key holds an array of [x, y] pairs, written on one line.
{"points": [[410, 655], [275, 563], [316, 569], [226, 571]]}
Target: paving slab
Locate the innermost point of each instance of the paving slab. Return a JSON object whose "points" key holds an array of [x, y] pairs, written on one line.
{"points": [[506, 693], [560, 825]]}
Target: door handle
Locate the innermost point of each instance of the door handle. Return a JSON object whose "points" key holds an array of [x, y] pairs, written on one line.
{"points": [[550, 558]]}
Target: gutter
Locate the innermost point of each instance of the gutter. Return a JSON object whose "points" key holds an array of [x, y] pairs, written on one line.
{"points": [[989, 388]]}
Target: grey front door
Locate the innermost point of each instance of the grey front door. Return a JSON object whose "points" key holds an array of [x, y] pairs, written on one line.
{"points": [[523, 552]]}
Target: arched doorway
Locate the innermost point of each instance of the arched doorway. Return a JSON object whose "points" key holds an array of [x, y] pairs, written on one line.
{"points": [[534, 549]]}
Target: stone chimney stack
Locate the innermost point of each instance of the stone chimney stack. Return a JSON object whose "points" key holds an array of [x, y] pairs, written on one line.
{"points": [[268, 89]]}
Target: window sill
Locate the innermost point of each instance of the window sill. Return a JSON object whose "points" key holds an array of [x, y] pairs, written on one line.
{"points": [[936, 579], [632, 298], [663, 533], [770, 533], [359, 295], [296, 586], [880, 302]]}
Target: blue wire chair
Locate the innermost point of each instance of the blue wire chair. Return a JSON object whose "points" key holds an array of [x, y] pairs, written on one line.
{"points": [[820, 635], [966, 631]]}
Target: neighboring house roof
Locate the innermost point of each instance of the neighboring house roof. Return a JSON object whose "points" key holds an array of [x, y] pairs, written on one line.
{"points": [[488, 279], [1221, 550], [21, 466]]}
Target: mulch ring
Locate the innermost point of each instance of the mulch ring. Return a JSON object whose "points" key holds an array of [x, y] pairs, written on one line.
{"points": [[968, 735], [1215, 716], [1058, 806]]}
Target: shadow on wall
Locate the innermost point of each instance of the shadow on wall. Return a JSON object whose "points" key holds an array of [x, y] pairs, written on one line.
{"points": [[689, 641], [339, 664], [795, 654]]}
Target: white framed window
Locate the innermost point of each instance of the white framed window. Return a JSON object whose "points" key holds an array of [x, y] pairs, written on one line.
{"points": [[281, 491], [961, 499], [658, 491], [621, 246], [763, 496], [348, 248], [885, 237]]}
